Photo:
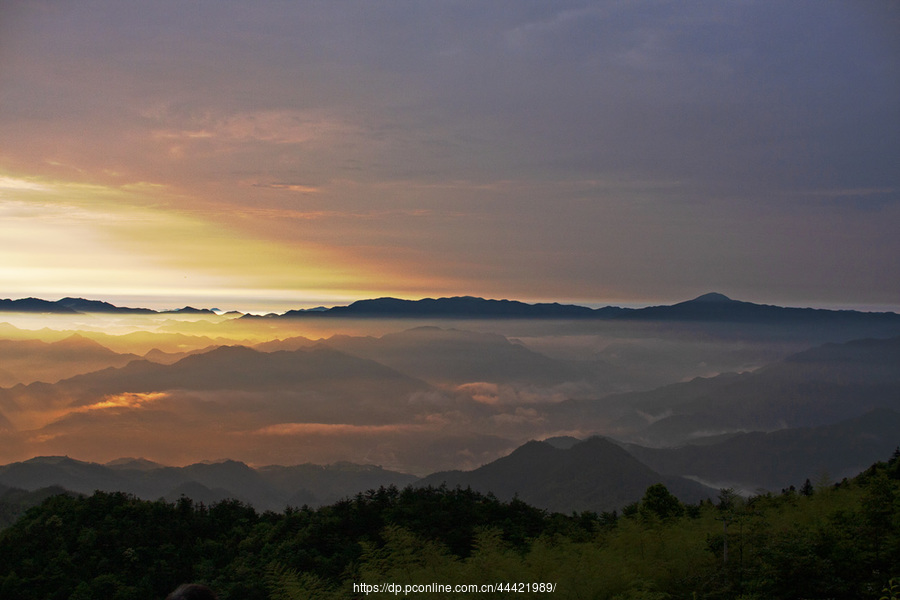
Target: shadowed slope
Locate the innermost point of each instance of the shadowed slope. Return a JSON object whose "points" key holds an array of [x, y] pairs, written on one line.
{"points": [[592, 475]]}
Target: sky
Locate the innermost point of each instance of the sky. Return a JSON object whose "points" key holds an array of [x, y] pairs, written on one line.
{"points": [[274, 155]]}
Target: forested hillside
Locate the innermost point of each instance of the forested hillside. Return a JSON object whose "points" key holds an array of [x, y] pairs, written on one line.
{"points": [[831, 540]]}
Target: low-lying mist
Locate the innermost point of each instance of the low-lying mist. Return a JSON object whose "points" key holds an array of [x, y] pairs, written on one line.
{"points": [[410, 395]]}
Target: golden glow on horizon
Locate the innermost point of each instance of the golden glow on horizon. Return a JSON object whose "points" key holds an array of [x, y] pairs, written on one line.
{"points": [[62, 238], [146, 244]]}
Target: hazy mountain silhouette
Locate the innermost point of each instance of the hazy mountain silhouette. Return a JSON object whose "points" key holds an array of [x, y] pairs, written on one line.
{"points": [[274, 487], [433, 398], [561, 474], [455, 356], [225, 479], [96, 306], [456, 307], [321, 404], [317, 484], [169, 358], [164, 341], [34, 305], [778, 459], [563, 442], [711, 307], [856, 361], [225, 368], [267, 488], [27, 361], [137, 464], [80, 305], [718, 307], [71, 474], [189, 310], [591, 475], [595, 474], [5, 424], [821, 386], [15, 501], [200, 493], [173, 340], [289, 344]]}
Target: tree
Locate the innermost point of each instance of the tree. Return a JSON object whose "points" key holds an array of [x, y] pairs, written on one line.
{"points": [[658, 501], [807, 489]]}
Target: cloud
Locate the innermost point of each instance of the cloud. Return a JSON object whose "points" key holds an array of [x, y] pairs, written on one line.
{"points": [[271, 126], [650, 418], [128, 400], [291, 187], [521, 416], [331, 429], [495, 394], [14, 183]]}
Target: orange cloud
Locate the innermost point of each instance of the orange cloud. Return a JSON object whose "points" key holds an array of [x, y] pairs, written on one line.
{"points": [[125, 400]]}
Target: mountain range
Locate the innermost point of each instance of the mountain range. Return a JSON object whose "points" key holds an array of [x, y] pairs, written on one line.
{"points": [[81, 306], [819, 386], [710, 307], [594, 474], [27, 361], [450, 401], [454, 356], [558, 474], [444, 397], [266, 488], [328, 379], [778, 459]]}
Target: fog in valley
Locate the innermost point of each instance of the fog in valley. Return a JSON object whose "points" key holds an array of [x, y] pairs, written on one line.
{"points": [[411, 395]]}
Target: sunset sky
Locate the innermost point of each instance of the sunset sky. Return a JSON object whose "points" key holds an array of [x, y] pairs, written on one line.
{"points": [[273, 155]]}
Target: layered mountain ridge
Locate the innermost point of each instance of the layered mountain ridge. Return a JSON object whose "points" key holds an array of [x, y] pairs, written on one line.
{"points": [[711, 306]]}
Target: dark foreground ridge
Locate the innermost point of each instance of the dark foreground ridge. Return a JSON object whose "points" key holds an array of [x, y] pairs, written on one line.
{"points": [[595, 474], [837, 541]]}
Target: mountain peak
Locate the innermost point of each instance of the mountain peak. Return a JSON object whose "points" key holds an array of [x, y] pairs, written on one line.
{"points": [[712, 297]]}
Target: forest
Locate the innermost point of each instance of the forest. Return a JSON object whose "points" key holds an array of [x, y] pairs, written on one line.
{"points": [[820, 540]]}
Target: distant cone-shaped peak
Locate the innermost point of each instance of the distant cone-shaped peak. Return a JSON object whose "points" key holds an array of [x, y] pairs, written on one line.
{"points": [[712, 297]]}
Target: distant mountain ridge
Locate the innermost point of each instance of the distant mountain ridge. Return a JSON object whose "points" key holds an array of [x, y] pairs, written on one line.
{"points": [[458, 306], [820, 386], [74, 306], [778, 459], [710, 307], [27, 361], [223, 368], [451, 355], [267, 488], [718, 307]]}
